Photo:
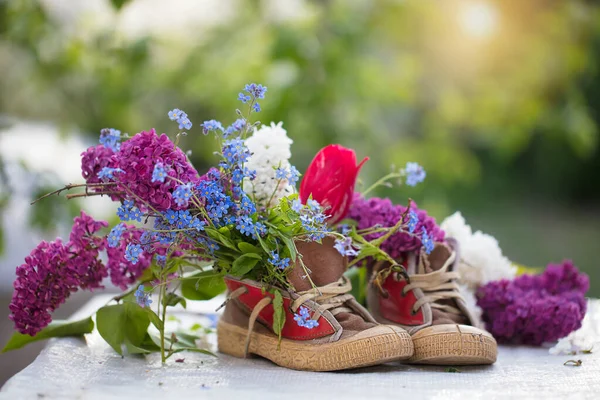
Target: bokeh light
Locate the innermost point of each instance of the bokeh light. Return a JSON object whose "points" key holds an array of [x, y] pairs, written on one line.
{"points": [[478, 19]]}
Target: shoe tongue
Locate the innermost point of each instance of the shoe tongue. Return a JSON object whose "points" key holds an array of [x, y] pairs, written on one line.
{"points": [[434, 262], [322, 261], [436, 259]]}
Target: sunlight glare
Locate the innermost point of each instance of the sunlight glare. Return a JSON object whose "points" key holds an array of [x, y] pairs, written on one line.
{"points": [[479, 19]]}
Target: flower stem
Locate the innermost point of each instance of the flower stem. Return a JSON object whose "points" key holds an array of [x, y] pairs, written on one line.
{"points": [[381, 181], [163, 319], [72, 186]]}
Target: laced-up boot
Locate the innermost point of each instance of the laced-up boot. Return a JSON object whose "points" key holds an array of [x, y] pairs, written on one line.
{"points": [[325, 328], [430, 307]]}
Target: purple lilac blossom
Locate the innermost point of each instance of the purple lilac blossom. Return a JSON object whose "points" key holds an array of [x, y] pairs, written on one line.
{"points": [[137, 158], [535, 309], [382, 212], [55, 270], [93, 161], [86, 265]]}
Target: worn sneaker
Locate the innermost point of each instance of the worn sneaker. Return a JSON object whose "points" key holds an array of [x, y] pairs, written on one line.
{"points": [[325, 329], [429, 306]]}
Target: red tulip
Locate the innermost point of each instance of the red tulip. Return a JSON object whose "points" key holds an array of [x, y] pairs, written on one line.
{"points": [[330, 179]]}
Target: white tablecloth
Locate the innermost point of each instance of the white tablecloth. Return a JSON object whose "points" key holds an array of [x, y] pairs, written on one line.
{"points": [[89, 369]]}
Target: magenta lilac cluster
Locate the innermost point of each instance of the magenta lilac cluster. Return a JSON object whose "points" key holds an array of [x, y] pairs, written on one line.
{"points": [[131, 167], [137, 159], [376, 211], [55, 270], [535, 309]]}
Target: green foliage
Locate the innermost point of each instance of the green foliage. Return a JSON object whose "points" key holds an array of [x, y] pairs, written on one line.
{"points": [[179, 342], [222, 236], [172, 299], [248, 248], [243, 256], [125, 324], [55, 329], [147, 346], [202, 285], [244, 264], [278, 313]]}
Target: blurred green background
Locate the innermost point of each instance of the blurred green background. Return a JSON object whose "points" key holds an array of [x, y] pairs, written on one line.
{"points": [[498, 100]]}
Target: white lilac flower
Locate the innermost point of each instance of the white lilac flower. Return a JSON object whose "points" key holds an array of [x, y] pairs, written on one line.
{"points": [[481, 259], [586, 338], [270, 152]]}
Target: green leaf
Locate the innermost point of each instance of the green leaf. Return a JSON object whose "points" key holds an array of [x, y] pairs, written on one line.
{"points": [[172, 299], [284, 204], [121, 322], [110, 326], [248, 248], [55, 329], [279, 313], [263, 245], [244, 264], [203, 285], [186, 339], [133, 349], [219, 237], [368, 251], [147, 275], [146, 347], [289, 243], [155, 269], [154, 319], [225, 232], [172, 266]]}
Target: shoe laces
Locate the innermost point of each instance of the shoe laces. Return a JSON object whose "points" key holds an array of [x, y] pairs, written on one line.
{"points": [[437, 285], [330, 297]]}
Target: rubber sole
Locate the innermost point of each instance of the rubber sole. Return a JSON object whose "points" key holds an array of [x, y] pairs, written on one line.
{"points": [[373, 346], [453, 345]]}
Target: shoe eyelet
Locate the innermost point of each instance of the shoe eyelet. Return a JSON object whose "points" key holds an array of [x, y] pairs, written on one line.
{"points": [[385, 294], [413, 312], [402, 293]]}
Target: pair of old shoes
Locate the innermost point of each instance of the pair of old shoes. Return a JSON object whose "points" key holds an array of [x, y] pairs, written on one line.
{"points": [[420, 318]]}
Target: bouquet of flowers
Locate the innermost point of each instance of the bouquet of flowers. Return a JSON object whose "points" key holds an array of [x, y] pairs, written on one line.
{"points": [[181, 232], [243, 225]]}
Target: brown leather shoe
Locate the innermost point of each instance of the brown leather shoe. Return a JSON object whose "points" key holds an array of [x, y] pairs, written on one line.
{"points": [[325, 328], [429, 306]]}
